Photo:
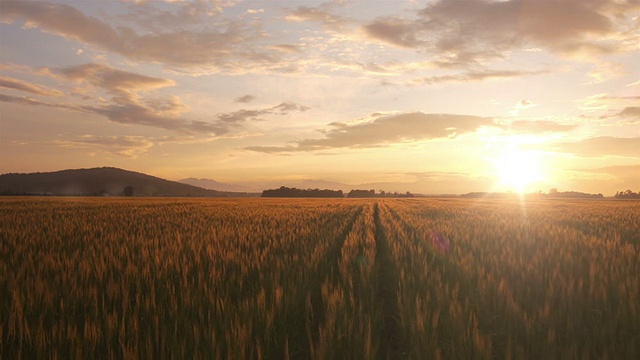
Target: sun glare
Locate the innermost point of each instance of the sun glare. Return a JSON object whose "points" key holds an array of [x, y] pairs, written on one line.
{"points": [[517, 170]]}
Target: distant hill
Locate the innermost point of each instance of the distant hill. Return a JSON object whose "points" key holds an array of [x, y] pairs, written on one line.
{"points": [[98, 181], [214, 185]]}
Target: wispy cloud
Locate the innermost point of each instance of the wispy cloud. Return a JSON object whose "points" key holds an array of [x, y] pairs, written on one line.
{"points": [[614, 105], [217, 48], [537, 127], [385, 130], [125, 146], [476, 75], [15, 84], [462, 33], [234, 119], [245, 99], [287, 48], [23, 100], [181, 14], [132, 101], [395, 31], [603, 146], [111, 79], [321, 14], [605, 71]]}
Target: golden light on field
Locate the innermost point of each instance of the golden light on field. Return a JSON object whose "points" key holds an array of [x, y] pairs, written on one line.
{"points": [[318, 278], [517, 170]]}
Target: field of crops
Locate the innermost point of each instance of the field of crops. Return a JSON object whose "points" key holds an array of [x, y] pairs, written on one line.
{"points": [[319, 279]]}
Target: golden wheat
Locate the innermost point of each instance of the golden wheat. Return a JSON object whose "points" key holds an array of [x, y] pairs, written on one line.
{"points": [[321, 279]]}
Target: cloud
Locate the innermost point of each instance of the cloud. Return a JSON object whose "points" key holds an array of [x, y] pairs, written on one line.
{"points": [[460, 33], [234, 119], [603, 146], [20, 85], [245, 99], [288, 107], [321, 14], [23, 100], [385, 130], [477, 75], [223, 47], [127, 106], [164, 113], [606, 101], [631, 171], [126, 146], [630, 112], [255, 11], [521, 105], [524, 104], [395, 31], [287, 48], [605, 71], [169, 106], [180, 13], [113, 80], [325, 15], [536, 127], [617, 177], [132, 113]]}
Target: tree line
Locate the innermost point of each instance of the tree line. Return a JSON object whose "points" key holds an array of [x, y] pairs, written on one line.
{"points": [[627, 195], [284, 191]]}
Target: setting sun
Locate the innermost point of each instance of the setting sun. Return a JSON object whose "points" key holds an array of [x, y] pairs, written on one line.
{"points": [[517, 170]]}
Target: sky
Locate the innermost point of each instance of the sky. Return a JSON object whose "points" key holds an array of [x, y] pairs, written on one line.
{"points": [[433, 97]]}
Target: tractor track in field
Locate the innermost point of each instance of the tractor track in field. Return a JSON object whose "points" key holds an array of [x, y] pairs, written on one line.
{"points": [[391, 340]]}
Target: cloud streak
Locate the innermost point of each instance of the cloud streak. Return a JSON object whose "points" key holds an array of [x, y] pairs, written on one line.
{"points": [[23, 100], [111, 79], [386, 130], [125, 146], [473, 76], [15, 84], [234, 119]]}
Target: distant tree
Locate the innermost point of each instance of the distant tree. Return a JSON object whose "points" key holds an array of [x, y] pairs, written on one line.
{"points": [[361, 194], [628, 194], [553, 191], [127, 191], [293, 192]]}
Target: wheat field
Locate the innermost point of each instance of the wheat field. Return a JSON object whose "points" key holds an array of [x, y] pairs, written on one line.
{"points": [[319, 279]]}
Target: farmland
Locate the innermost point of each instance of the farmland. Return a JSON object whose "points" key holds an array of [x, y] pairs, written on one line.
{"points": [[319, 278]]}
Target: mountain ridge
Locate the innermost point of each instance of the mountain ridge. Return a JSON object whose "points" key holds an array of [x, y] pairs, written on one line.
{"points": [[99, 181]]}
